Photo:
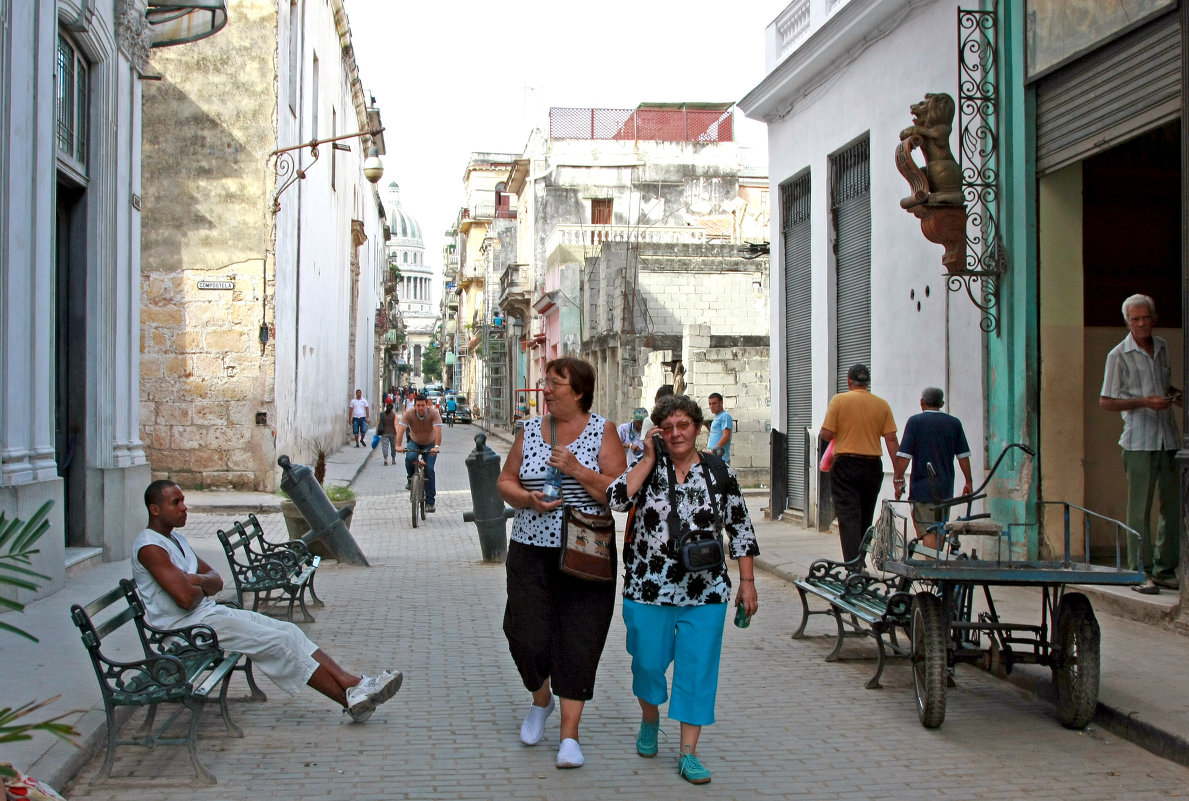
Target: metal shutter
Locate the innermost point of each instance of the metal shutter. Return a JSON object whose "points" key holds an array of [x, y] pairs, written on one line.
{"points": [[850, 201], [1120, 90], [798, 307]]}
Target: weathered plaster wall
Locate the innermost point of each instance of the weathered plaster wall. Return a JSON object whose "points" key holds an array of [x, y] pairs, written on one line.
{"points": [[204, 373], [938, 343]]}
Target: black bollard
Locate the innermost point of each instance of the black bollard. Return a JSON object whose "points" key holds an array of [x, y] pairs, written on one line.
{"points": [[326, 522], [489, 512]]}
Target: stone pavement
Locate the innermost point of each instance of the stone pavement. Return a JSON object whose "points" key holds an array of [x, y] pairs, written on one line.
{"points": [[789, 725]]}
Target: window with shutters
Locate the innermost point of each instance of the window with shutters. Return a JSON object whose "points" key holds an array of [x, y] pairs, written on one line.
{"points": [[600, 211], [798, 307], [850, 215]]}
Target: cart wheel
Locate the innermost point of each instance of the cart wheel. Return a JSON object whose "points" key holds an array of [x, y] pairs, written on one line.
{"points": [[928, 659], [1076, 660]]}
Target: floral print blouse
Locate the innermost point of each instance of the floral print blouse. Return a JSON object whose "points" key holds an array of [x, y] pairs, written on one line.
{"points": [[652, 570]]}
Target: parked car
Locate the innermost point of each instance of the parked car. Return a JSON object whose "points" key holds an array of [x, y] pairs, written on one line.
{"points": [[434, 396], [463, 415]]}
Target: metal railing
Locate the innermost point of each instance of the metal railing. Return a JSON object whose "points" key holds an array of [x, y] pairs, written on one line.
{"points": [[674, 124]]}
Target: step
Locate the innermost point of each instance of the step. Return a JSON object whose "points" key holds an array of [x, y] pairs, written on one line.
{"points": [[79, 560]]}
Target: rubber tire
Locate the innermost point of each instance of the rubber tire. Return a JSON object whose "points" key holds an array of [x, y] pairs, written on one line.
{"points": [[1077, 641], [929, 660], [415, 491]]}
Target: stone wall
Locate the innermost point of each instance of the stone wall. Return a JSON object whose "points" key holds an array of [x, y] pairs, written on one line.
{"points": [[204, 374], [203, 378]]}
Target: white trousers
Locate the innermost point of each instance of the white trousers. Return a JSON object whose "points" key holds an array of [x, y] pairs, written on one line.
{"points": [[278, 648]]}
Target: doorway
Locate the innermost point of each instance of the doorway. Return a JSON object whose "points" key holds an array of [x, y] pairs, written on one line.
{"points": [[1109, 227], [70, 357]]}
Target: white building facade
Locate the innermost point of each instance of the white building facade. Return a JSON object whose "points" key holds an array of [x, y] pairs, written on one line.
{"points": [[854, 279], [70, 183]]}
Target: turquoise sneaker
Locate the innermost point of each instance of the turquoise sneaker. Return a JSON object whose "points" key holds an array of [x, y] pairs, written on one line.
{"points": [[646, 740], [691, 768]]}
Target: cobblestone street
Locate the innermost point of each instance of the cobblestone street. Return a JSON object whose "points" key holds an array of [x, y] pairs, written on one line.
{"points": [[789, 725]]}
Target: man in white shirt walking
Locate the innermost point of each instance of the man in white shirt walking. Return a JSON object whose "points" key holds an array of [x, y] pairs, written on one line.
{"points": [[359, 409]]}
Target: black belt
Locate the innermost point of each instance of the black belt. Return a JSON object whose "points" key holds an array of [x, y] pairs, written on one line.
{"points": [[856, 456]]}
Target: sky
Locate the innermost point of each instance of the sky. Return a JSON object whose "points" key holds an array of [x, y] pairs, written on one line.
{"points": [[451, 78]]}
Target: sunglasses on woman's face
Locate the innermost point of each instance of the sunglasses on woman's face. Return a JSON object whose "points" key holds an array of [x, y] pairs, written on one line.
{"points": [[681, 425]]}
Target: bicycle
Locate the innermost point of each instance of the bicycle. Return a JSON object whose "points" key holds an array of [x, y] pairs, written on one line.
{"points": [[417, 490]]}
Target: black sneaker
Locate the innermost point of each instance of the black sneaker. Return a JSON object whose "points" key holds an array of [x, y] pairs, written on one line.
{"points": [[408, 483], [430, 508]]}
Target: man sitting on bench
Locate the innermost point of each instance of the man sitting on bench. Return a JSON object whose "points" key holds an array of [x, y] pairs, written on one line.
{"points": [[176, 587]]}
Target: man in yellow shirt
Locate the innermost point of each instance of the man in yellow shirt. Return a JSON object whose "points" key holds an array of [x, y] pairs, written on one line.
{"points": [[856, 420]]}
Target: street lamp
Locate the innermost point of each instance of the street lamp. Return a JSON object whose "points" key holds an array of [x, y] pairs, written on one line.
{"points": [[517, 327], [289, 171]]}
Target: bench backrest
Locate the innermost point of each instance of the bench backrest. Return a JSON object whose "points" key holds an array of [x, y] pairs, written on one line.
{"points": [[93, 634]]}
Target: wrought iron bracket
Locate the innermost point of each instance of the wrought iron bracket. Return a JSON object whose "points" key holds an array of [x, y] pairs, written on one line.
{"points": [[288, 168], [978, 157]]}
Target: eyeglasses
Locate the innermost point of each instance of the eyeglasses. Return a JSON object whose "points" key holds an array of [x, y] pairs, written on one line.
{"points": [[681, 425], [553, 383]]}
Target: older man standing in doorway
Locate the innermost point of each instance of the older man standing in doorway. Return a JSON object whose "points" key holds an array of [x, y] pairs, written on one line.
{"points": [[1137, 383], [856, 420]]}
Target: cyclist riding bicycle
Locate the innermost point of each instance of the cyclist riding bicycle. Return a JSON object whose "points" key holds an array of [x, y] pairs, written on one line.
{"points": [[451, 408], [423, 425]]}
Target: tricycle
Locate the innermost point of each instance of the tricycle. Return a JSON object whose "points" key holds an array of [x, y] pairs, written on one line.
{"points": [[942, 623]]}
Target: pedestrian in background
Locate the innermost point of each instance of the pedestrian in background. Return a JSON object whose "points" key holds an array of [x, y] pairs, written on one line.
{"points": [[386, 428], [359, 410], [721, 428], [856, 420], [1137, 382], [675, 615], [630, 434], [936, 438], [557, 624]]}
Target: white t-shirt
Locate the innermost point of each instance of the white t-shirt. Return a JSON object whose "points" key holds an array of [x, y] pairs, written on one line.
{"points": [[359, 407], [160, 609]]}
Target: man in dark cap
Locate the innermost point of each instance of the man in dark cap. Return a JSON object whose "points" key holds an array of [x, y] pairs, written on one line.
{"points": [[856, 420]]}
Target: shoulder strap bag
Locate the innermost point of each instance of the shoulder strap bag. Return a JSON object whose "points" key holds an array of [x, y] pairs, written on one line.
{"points": [[587, 540]]}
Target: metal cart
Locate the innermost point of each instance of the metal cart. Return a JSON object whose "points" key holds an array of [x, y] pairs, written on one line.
{"points": [[944, 629]]}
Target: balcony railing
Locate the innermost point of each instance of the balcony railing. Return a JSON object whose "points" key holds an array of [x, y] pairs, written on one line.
{"points": [[595, 236]]}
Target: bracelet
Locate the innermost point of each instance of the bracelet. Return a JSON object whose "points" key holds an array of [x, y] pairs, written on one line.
{"points": [[750, 579]]}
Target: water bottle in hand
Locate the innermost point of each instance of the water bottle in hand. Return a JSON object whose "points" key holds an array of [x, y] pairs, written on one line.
{"points": [[552, 490]]}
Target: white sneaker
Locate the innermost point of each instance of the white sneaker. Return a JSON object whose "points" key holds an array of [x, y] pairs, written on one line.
{"points": [[370, 692], [360, 705], [533, 727], [382, 687], [570, 754]]}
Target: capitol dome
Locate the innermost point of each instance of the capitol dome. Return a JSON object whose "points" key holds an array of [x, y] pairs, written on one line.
{"points": [[401, 224]]}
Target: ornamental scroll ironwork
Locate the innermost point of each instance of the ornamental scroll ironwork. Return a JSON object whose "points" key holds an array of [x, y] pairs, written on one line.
{"points": [[288, 171], [978, 155]]}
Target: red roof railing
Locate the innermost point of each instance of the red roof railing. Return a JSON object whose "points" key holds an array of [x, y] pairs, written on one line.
{"points": [[659, 123]]}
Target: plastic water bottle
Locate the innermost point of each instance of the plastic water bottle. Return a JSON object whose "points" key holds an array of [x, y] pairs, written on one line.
{"points": [[552, 490]]}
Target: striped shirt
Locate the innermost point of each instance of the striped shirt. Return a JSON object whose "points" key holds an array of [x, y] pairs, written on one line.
{"points": [[1132, 373]]}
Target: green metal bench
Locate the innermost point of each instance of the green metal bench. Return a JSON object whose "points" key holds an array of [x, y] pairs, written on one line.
{"points": [[265, 569], [862, 605], [181, 666]]}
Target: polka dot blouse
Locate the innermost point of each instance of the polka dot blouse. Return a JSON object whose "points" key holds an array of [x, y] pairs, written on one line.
{"points": [[544, 530]]}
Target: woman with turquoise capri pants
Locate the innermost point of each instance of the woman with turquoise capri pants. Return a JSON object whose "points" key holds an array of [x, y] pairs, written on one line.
{"points": [[674, 615]]}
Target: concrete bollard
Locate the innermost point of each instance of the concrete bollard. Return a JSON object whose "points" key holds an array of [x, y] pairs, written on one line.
{"points": [[488, 513], [326, 522]]}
